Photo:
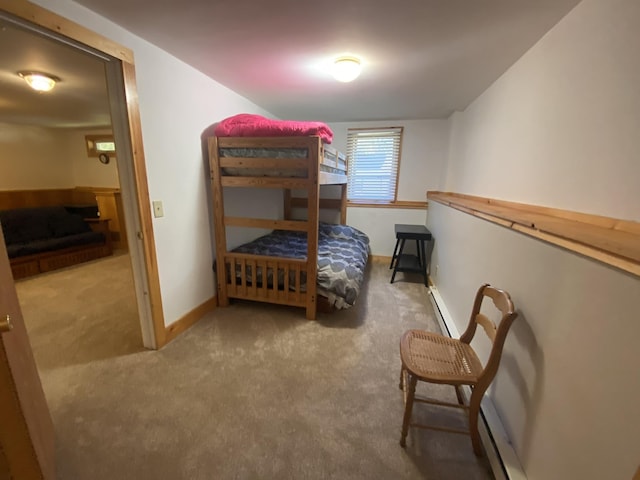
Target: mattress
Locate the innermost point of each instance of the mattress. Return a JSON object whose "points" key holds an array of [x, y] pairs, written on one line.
{"points": [[332, 161], [342, 258]]}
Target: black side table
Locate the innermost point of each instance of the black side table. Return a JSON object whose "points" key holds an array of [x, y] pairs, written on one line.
{"points": [[401, 262]]}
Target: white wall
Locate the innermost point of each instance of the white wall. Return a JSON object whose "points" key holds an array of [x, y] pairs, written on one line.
{"points": [[560, 128], [378, 224], [424, 154], [177, 103], [89, 171], [33, 158]]}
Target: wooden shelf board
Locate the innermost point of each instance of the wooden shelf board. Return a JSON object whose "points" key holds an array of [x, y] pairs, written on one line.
{"points": [[613, 241]]}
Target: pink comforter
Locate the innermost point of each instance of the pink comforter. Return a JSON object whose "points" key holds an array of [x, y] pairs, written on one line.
{"points": [[248, 125]]}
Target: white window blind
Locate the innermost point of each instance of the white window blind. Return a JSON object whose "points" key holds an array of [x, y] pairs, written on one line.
{"points": [[374, 160]]}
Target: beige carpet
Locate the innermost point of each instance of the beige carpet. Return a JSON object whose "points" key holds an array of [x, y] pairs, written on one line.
{"points": [[252, 391]]}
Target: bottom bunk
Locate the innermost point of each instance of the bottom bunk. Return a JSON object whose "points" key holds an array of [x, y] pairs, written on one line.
{"points": [[272, 268]]}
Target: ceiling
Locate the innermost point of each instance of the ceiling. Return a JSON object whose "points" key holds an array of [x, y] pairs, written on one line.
{"points": [[421, 58], [78, 100]]}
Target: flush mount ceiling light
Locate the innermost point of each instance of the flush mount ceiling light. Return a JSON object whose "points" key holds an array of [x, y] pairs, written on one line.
{"points": [[41, 82], [346, 68]]}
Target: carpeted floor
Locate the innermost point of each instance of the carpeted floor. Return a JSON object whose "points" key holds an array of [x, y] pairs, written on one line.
{"points": [[252, 391]]}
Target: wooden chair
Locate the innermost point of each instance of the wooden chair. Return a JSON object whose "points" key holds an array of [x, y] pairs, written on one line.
{"points": [[433, 358]]}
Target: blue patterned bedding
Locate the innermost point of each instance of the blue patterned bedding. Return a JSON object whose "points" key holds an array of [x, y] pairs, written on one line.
{"points": [[342, 257], [331, 159]]}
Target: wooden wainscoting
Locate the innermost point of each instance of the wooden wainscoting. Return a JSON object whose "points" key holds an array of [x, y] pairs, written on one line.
{"points": [[108, 201], [45, 198]]}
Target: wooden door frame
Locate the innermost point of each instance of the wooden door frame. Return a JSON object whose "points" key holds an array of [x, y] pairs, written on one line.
{"points": [[148, 295]]}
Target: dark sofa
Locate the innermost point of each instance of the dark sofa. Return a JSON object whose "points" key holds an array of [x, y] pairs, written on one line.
{"points": [[41, 239]]}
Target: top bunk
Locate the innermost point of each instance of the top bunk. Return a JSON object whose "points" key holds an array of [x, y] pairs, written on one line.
{"points": [[275, 153]]}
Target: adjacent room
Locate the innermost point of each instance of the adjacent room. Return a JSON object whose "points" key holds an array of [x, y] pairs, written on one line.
{"points": [[241, 239]]}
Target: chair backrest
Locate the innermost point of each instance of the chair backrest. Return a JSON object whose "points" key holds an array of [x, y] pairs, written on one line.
{"points": [[497, 334]]}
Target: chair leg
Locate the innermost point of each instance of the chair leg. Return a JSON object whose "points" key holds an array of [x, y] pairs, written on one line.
{"points": [[474, 410], [400, 385], [459, 394], [411, 391]]}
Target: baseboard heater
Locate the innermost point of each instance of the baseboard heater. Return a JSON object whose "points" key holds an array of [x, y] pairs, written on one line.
{"points": [[502, 457]]}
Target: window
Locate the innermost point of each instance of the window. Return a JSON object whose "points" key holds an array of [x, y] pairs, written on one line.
{"points": [[97, 144], [374, 161]]}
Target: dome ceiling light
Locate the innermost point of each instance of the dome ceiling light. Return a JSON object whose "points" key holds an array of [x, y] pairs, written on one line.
{"points": [[41, 82], [346, 68]]}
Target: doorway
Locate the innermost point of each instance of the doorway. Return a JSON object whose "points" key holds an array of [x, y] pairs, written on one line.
{"points": [[88, 310], [119, 71]]}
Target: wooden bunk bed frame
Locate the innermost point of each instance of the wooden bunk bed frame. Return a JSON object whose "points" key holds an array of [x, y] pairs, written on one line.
{"points": [[230, 286]]}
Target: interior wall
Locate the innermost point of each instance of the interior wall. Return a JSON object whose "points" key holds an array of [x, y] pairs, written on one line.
{"points": [[177, 103], [33, 158], [558, 129], [378, 224], [423, 160], [86, 170], [566, 390]]}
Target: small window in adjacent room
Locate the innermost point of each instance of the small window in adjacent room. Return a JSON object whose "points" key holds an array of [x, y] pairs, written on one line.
{"points": [[97, 144], [374, 163]]}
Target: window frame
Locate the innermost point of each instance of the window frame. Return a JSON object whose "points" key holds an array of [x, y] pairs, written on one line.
{"points": [[396, 131], [93, 143]]}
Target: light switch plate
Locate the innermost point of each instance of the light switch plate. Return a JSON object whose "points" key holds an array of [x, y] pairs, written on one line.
{"points": [[157, 209]]}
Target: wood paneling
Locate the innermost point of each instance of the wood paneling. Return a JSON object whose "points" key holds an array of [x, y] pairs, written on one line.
{"points": [[26, 266], [110, 207], [108, 201], [45, 198]]}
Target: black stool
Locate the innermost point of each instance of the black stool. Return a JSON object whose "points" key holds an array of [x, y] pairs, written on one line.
{"points": [[402, 262]]}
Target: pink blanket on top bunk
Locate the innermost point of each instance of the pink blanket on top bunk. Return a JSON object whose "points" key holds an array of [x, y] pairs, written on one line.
{"points": [[248, 125]]}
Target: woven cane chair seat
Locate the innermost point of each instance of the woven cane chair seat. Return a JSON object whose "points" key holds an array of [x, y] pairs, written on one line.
{"points": [[438, 359]]}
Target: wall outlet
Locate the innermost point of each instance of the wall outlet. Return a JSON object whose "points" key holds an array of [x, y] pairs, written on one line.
{"points": [[437, 268], [157, 209]]}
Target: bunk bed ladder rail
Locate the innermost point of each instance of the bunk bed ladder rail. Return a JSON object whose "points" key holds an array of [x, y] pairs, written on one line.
{"points": [[271, 279]]}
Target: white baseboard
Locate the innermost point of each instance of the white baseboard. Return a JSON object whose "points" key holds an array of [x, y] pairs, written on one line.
{"points": [[502, 457]]}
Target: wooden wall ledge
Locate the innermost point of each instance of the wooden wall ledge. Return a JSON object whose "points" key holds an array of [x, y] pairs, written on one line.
{"points": [[612, 241], [402, 204]]}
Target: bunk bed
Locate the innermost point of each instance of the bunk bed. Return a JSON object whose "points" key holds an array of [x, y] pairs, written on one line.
{"points": [[302, 263]]}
